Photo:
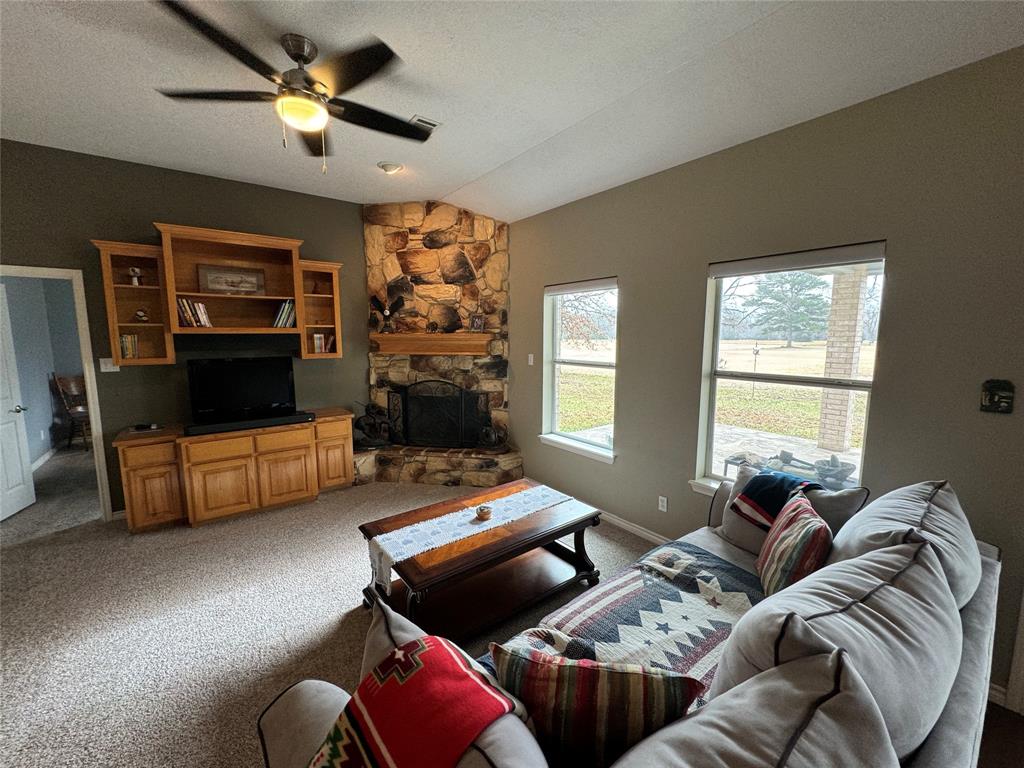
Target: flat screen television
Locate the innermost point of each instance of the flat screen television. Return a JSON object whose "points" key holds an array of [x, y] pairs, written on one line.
{"points": [[240, 388]]}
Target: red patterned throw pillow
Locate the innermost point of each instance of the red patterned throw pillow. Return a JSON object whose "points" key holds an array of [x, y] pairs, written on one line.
{"points": [[797, 544], [421, 707], [588, 713]]}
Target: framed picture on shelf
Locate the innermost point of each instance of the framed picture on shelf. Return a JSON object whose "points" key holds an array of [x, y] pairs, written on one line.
{"points": [[477, 323], [234, 280]]}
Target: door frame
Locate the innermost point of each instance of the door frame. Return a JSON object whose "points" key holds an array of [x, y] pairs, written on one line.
{"points": [[88, 367]]}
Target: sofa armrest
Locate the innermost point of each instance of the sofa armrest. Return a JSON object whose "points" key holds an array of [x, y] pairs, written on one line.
{"points": [[717, 509], [295, 724]]}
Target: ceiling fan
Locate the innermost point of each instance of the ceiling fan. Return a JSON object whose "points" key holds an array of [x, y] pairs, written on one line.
{"points": [[304, 99]]}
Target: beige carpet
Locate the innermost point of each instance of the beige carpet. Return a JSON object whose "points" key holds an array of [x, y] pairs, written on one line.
{"points": [[163, 648]]}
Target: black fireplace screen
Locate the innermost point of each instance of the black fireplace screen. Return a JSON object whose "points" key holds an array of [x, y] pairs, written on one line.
{"points": [[437, 414]]}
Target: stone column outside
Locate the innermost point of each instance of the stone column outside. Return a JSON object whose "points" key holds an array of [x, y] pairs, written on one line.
{"points": [[842, 355]]}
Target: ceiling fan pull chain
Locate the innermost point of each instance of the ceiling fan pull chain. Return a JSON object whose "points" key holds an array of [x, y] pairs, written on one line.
{"points": [[284, 135], [323, 148]]}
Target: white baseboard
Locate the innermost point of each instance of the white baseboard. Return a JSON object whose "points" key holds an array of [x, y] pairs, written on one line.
{"points": [[118, 514], [637, 530], [43, 459], [997, 694]]}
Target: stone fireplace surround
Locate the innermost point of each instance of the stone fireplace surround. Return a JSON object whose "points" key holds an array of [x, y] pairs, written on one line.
{"points": [[449, 264]]}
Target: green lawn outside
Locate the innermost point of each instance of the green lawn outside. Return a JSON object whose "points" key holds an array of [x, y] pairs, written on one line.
{"points": [[586, 400]]}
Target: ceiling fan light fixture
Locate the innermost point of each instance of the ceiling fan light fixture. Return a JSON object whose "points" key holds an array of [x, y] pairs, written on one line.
{"points": [[390, 168], [301, 112]]}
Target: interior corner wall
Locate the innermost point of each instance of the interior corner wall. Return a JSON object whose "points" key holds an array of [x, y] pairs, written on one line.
{"points": [[26, 304], [52, 202], [937, 171]]}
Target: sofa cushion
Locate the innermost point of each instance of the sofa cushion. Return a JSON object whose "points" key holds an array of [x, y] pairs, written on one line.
{"points": [[588, 713], [957, 735], [834, 507], [797, 545], [811, 712], [506, 743], [890, 609], [292, 727], [933, 510]]}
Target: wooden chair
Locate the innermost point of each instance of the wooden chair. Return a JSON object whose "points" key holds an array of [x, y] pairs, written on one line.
{"points": [[72, 394]]}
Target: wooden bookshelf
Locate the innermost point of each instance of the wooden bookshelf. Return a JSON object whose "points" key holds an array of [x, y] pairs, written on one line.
{"points": [[321, 308], [272, 260], [241, 280], [153, 341]]}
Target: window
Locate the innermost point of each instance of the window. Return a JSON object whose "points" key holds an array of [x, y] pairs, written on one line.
{"points": [[792, 362], [579, 367]]}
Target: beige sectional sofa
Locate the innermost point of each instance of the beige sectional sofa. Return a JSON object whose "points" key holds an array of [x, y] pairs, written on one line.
{"points": [[881, 658]]}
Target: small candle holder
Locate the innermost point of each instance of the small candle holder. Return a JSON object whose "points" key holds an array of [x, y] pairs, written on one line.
{"points": [[483, 512]]}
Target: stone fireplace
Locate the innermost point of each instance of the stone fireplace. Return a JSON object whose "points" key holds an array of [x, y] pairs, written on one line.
{"points": [[442, 370]]}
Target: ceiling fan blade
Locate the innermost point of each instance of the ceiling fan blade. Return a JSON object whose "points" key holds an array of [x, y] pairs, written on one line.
{"points": [[221, 95], [347, 69], [314, 145], [223, 40], [376, 120]]}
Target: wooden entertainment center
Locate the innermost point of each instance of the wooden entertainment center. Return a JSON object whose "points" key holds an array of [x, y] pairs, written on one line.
{"points": [[153, 281], [211, 281], [169, 478]]}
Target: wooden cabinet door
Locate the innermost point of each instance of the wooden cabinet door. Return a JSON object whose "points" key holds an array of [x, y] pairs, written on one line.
{"points": [[220, 488], [154, 496], [334, 462], [286, 476]]}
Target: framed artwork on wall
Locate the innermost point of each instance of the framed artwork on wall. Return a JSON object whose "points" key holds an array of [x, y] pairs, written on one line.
{"points": [[234, 280]]}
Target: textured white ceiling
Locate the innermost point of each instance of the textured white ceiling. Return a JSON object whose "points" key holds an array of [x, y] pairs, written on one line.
{"points": [[541, 103]]}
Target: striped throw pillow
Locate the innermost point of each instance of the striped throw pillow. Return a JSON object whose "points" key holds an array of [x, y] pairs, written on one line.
{"points": [[797, 544], [588, 713]]}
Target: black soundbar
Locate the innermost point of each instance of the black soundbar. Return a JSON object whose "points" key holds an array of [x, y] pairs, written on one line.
{"points": [[299, 417]]}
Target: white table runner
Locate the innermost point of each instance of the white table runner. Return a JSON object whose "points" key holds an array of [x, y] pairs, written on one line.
{"points": [[403, 543]]}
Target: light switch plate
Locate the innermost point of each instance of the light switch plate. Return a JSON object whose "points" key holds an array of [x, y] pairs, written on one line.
{"points": [[529, 359], [107, 365]]}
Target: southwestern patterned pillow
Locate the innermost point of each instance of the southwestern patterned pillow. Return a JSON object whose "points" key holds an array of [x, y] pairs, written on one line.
{"points": [[588, 713], [797, 544]]}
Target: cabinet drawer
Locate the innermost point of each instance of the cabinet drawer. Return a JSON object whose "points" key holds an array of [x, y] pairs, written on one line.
{"points": [[342, 428], [215, 450], [292, 438], [148, 455]]}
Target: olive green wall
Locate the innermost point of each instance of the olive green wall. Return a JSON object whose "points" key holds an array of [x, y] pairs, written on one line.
{"points": [[935, 169], [53, 202]]}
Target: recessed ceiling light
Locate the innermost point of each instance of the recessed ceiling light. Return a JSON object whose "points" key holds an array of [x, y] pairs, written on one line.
{"points": [[390, 168]]}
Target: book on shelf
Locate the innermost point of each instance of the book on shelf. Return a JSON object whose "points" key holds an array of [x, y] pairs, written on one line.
{"points": [[323, 343], [129, 346], [193, 314], [285, 314]]}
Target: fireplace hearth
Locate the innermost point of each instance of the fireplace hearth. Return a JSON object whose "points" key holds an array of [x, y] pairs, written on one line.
{"points": [[439, 414]]}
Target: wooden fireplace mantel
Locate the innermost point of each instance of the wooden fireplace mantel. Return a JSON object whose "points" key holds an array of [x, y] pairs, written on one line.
{"points": [[464, 343]]}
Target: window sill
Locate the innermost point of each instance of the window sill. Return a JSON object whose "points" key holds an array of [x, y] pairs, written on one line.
{"points": [[575, 446], [705, 485]]}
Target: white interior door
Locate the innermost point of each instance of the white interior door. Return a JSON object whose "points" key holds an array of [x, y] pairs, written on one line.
{"points": [[17, 490]]}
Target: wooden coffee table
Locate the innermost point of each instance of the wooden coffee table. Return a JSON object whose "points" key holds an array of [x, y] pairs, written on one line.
{"points": [[465, 586]]}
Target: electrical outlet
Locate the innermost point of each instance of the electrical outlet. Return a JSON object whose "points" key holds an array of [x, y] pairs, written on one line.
{"points": [[42, 434], [529, 359], [662, 504]]}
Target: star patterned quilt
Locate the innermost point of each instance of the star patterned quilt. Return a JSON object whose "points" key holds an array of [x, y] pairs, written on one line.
{"points": [[672, 609]]}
